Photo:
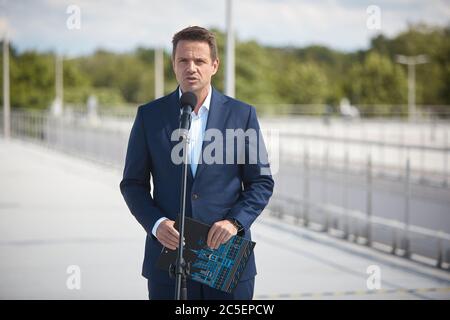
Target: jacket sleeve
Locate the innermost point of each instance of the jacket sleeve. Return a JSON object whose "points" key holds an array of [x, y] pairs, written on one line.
{"points": [[257, 182], [135, 185]]}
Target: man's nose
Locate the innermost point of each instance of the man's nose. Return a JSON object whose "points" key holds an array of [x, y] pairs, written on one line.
{"points": [[191, 67]]}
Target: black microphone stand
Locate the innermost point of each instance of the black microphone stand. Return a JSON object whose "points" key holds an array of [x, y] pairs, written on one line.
{"points": [[181, 269]]}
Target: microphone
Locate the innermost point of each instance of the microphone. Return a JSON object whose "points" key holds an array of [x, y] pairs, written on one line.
{"points": [[188, 102]]}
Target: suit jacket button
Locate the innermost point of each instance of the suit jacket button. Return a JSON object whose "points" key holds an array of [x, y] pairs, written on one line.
{"points": [[194, 196]]}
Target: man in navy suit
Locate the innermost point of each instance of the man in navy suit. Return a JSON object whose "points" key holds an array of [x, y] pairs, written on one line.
{"points": [[228, 193]]}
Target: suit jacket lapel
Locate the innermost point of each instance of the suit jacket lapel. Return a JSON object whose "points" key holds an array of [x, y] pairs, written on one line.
{"points": [[217, 117], [172, 113]]}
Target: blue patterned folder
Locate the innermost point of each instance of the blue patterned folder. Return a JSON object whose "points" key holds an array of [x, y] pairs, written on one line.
{"points": [[220, 268]]}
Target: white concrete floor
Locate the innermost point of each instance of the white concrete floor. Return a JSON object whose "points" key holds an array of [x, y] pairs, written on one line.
{"points": [[57, 211]]}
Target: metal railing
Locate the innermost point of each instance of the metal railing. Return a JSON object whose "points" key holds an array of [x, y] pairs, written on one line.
{"points": [[398, 236], [426, 146], [75, 134], [105, 140]]}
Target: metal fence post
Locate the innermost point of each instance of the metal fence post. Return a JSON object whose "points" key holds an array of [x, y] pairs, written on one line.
{"points": [[440, 254], [401, 151], [422, 154], [345, 222], [19, 119], [446, 151], [407, 188], [59, 134], [369, 201], [382, 150], [325, 187], [85, 149], [306, 186]]}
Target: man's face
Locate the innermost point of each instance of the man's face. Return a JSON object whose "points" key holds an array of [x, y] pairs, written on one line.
{"points": [[193, 66]]}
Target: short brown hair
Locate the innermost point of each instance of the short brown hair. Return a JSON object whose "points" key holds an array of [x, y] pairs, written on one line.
{"points": [[196, 33]]}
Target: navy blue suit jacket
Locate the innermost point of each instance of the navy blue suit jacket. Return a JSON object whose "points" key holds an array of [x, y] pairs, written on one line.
{"points": [[217, 192]]}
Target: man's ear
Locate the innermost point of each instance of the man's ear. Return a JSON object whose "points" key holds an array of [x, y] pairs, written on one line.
{"points": [[216, 64]]}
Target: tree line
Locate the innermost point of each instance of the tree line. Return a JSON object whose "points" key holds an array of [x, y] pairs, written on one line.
{"points": [[266, 76]]}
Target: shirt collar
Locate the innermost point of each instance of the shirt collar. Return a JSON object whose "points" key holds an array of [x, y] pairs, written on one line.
{"points": [[207, 101]]}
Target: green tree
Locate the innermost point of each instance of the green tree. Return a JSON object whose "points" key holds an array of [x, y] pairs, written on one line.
{"points": [[302, 83], [378, 80], [432, 85], [31, 80]]}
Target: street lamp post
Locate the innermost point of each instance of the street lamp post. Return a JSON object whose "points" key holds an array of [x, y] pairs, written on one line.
{"points": [[159, 73], [229, 53], [59, 81], [411, 62], [6, 102], [57, 106]]}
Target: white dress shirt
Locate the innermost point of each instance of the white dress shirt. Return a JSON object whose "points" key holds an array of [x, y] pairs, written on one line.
{"points": [[196, 134]]}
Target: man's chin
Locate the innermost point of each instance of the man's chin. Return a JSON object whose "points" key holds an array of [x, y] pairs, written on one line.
{"points": [[190, 87]]}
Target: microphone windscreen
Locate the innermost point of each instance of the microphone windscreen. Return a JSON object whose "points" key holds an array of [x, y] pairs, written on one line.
{"points": [[188, 99]]}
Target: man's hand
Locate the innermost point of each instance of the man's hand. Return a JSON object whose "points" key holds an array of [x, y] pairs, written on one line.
{"points": [[220, 233], [167, 235]]}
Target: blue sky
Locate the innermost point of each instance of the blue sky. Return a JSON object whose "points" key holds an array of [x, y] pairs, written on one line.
{"points": [[123, 25]]}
